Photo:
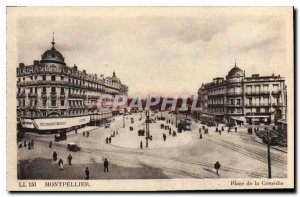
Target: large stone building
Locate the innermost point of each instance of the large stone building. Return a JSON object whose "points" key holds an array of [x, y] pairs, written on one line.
{"points": [[240, 99], [52, 95]]}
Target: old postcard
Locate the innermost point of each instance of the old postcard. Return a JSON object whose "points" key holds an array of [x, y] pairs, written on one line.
{"points": [[150, 98]]}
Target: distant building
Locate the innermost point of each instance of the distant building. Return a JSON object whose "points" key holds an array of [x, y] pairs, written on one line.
{"points": [[54, 96], [240, 99]]}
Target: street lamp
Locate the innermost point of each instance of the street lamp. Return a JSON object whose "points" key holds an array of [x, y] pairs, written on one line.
{"points": [[147, 128], [124, 120], [269, 155], [176, 112]]}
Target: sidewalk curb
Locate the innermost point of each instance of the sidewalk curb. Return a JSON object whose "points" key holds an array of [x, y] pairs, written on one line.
{"points": [[253, 138]]}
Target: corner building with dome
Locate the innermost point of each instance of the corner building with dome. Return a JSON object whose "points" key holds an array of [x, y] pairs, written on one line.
{"points": [[53, 97], [238, 99]]}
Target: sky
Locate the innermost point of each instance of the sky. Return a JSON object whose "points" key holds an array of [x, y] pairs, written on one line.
{"points": [[163, 55]]}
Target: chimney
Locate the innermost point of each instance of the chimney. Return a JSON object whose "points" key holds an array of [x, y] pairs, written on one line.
{"points": [[75, 67], [84, 71], [21, 65]]}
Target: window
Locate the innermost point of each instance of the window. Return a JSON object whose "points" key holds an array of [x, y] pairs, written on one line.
{"points": [[232, 101], [31, 77], [53, 78], [53, 103], [35, 89], [62, 78], [257, 88], [44, 90], [266, 87], [238, 101], [44, 77], [250, 101], [62, 102], [53, 90], [267, 110], [275, 87], [30, 90], [62, 90], [232, 110], [44, 102], [19, 79]]}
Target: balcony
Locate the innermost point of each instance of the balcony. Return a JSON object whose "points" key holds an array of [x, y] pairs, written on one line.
{"points": [[280, 104], [77, 107], [21, 95], [233, 105], [258, 105], [258, 93], [216, 105], [234, 93], [93, 97], [44, 95], [276, 93], [32, 95], [221, 94], [53, 95], [80, 96], [62, 95], [258, 113]]}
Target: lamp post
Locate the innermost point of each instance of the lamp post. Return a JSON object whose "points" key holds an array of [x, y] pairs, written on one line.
{"points": [[147, 128], [269, 155], [176, 112], [124, 120]]}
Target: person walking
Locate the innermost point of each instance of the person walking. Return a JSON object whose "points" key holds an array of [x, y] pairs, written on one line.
{"points": [[220, 132], [87, 173], [50, 144], [61, 164], [106, 140], [141, 145], [32, 144], [70, 159], [105, 164], [200, 135], [235, 129], [164, 137], [217, 167], [109, 140], [83, 133], [54, 156], [199, 130]]}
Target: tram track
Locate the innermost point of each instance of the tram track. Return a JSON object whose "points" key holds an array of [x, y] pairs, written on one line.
{"points": [[249, 152], [109, 153], [197, 163]]}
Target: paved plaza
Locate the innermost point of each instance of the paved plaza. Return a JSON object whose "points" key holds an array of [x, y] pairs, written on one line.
{"points": [[184, 156]]}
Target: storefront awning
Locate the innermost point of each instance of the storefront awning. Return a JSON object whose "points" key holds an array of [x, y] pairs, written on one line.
{"points": [[238, 118], [258, 116]]}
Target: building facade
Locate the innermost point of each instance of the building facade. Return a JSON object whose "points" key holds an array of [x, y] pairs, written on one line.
{"points": [[239, 99], [52, 95]]}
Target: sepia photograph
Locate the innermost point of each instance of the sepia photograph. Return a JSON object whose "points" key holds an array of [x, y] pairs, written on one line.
{"points": [[150, 98]]}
